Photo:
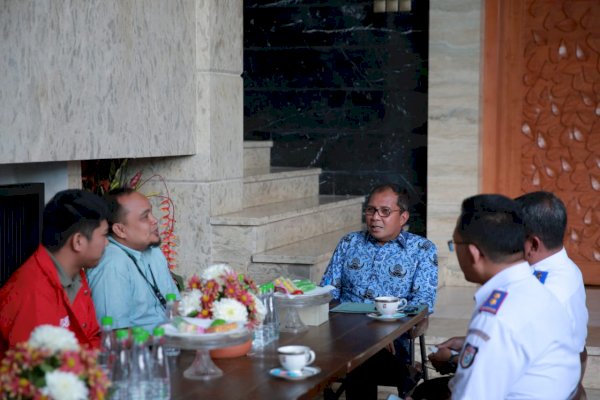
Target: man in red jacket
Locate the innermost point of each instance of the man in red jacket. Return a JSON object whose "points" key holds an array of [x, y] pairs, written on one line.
{"points": [[51, 286]]}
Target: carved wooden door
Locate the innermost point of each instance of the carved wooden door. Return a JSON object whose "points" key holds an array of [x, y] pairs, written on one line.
{"points": [[541, 111]]}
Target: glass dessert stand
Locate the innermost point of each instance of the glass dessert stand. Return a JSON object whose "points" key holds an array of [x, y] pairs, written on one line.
{"points": [[203, 368], [292, 322]]}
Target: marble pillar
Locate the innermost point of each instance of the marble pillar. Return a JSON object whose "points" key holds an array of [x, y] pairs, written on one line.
{"points": [[453, 164], [210, 181]]}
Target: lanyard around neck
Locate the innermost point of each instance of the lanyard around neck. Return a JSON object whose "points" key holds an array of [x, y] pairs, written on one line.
{"points": [[152, 285]]}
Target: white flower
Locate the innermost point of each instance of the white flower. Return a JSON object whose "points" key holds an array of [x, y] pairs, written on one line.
{"points": [[230, 310], [62, 385], [53, 338], [215, 271], [190, 301], [260, 309]]}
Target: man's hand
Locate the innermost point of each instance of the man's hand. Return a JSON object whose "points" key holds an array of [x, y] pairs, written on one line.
{"points": [[444, 360], [456, 343]]}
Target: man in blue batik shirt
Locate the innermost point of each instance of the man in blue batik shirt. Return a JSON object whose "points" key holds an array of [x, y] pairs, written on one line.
{"points": [[383, 261]]}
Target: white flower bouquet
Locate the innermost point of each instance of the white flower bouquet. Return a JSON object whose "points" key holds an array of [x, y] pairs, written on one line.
{"points": [[220, 294], [51, 365]]}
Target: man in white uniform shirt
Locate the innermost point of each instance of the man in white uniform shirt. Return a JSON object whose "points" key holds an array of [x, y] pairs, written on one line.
{"points": [[519, 343], [545, 219]]}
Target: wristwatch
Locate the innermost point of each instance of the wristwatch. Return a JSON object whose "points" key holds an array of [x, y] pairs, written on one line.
{"points": [[453, 362]]}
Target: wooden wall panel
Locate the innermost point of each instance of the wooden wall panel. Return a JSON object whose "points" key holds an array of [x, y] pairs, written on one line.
{"points": [[546, 66]]}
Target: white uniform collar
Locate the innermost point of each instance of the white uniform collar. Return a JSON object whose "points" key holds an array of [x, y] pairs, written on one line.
{"points": [[501, 280], [555, 261]]}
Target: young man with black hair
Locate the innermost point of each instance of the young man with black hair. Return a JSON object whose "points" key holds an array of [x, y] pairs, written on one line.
{"points": [[51, 287], [133, 278]]}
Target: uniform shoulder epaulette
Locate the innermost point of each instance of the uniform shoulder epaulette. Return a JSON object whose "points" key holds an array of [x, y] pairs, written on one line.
{"points": [[541, 275], [493, 303]]}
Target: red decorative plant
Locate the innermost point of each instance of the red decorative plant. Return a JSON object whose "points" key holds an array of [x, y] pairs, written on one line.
{"points": [[167, 219]]}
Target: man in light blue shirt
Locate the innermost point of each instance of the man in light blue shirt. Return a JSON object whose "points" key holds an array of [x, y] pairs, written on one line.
{"points": [[133, 279]]}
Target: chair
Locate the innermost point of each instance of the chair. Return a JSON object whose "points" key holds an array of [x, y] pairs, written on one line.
{"points": [[418, 331]]}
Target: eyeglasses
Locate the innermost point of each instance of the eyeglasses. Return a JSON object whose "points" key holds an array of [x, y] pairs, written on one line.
{"points": [[452, 244], [383, 211]]}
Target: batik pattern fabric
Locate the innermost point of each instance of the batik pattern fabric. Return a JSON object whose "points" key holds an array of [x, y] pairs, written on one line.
{"points": [[361, 269]]}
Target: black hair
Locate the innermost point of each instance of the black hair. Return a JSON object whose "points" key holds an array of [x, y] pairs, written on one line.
{"points": [[493, 223], [545, 216], [403, 198], [116, 210], [68, 212]]}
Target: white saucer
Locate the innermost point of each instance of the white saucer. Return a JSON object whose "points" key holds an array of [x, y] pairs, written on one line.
{"points": [[386, 318], [306, 372]]}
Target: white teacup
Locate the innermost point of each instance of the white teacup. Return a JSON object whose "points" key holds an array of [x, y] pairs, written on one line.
{"points": [[389, 305], [294, 358]]}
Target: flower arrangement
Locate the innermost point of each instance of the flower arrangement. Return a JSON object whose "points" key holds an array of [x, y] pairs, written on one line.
{"points": [[51, 365], [220, 294]]}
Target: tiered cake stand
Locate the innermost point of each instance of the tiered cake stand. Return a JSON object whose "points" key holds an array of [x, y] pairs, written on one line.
{"points": [[292, 322], [203, 368]]}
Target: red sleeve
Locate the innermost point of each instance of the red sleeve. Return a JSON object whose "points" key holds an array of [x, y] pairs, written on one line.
{"points": [[22, 311]]}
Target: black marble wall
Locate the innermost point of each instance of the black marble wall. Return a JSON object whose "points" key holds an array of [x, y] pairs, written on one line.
{"points": [[339, 87]]}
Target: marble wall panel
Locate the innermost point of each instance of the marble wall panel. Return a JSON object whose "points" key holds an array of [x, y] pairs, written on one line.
{"points": [[453, 124], [105, 79], [218, 35], [219, 150], [341, 88], [227, 127]]}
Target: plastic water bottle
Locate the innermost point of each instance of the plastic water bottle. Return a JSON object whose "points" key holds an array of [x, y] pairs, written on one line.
{"points": [[169, 314], [140, 372], [107, 346], [160, 366], [261, 332], [273, 323], [121, 365]]}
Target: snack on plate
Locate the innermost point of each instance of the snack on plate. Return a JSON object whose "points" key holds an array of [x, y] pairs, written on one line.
{"points": [[284, 285], [185, 327], [221, 326], [216, 326], [306, 285]]}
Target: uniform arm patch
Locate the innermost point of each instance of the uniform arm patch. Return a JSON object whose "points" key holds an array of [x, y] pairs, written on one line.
{"points": [[468, 355], [541, 276], [493, 303]]}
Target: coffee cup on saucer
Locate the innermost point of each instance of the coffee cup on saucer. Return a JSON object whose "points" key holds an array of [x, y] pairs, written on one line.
{"points": [[389, 305], [294, 358]]}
